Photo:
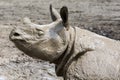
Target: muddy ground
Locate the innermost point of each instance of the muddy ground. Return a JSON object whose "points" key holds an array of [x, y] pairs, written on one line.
{"points": [[100, 16]]}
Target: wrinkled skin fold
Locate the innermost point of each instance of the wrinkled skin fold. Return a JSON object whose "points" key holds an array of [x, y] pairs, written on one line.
{"points": [[77, 53]]}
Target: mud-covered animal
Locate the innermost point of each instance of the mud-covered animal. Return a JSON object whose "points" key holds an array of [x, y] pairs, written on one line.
{"points": [[77, 53]]}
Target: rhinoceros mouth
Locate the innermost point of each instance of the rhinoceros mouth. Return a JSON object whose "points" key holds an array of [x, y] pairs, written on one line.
{"points": [[18, 40], [22, 44]]}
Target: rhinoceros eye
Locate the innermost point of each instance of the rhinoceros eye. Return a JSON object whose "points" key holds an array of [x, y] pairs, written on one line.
{"points": [[40, 32]]}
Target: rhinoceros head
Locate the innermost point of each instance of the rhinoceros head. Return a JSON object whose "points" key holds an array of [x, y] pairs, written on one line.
{"points": [[46, 42]]}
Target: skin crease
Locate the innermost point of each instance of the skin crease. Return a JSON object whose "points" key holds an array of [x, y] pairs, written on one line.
{"points": [[77, 53]]}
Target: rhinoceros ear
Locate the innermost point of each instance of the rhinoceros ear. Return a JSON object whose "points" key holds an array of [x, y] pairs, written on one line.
{"points": [[54, 14], [64, 16]]}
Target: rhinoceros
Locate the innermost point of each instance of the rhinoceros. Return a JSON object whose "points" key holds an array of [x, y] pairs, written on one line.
{"points": [[78, 54]]}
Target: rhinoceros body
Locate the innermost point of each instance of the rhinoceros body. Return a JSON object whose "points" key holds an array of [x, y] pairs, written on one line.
{"points": [[93, 57], [77, 53]]}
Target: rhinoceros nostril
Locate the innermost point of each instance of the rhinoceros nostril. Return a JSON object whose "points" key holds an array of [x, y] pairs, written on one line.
{"points": [[16, 34]]}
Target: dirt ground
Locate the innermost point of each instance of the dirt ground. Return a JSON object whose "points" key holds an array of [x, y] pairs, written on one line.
{"points": [[100, 16]]}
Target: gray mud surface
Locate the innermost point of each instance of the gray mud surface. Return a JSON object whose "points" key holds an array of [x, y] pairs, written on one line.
{"points": [[100, 16]]}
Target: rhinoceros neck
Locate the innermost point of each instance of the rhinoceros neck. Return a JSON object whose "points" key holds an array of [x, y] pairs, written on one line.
{"points": [[75, 48], [62, 60]]}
